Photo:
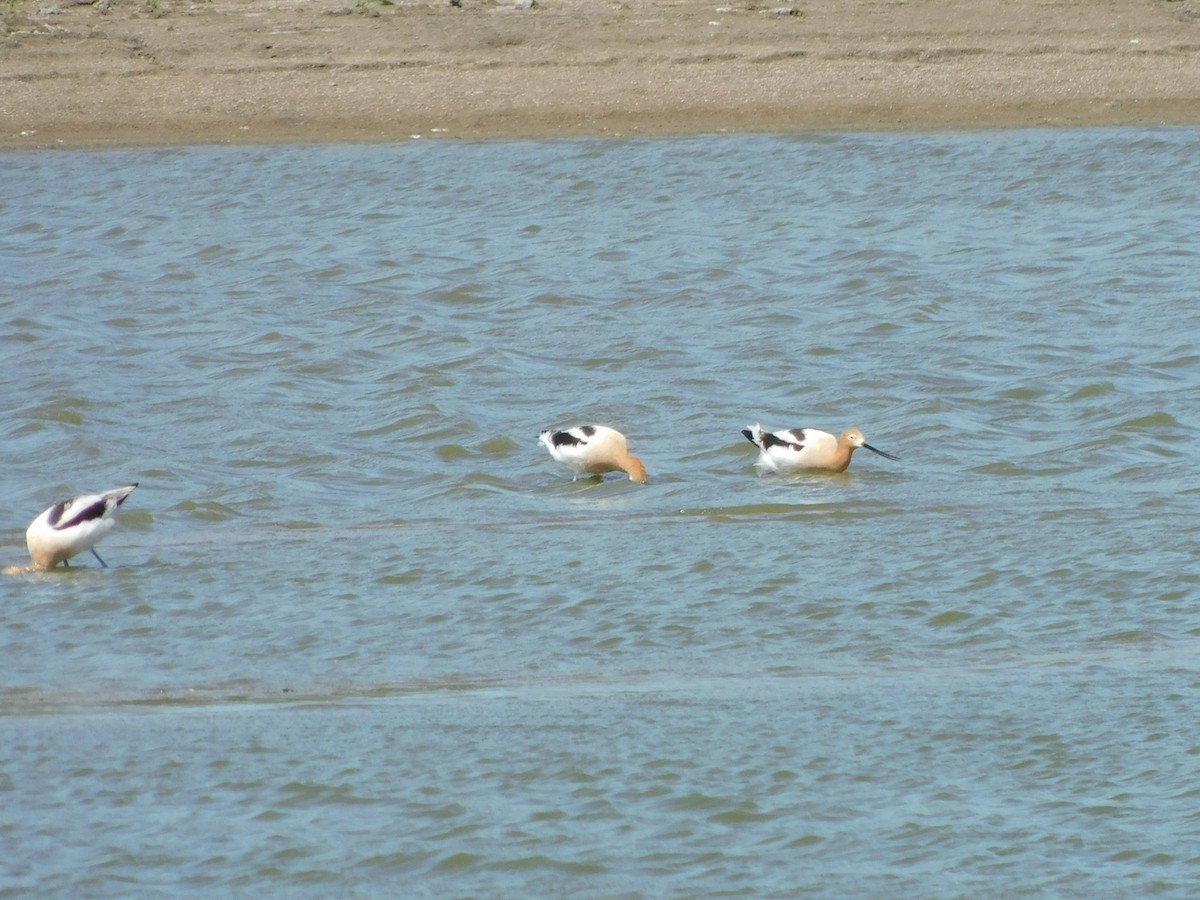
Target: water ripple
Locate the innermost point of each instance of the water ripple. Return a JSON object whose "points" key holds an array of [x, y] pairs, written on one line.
{"points": [[352, 590]]}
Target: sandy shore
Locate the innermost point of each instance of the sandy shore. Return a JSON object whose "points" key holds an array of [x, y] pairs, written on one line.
{"points": [[130, 72]]}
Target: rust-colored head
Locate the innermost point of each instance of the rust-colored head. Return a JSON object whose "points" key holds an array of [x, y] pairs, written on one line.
{"points": [[632, 465], [854, 438]]}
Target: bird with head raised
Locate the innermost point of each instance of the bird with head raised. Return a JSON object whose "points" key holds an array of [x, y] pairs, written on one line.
{"points": [[807, 449], [70, 527], [593, 450]]}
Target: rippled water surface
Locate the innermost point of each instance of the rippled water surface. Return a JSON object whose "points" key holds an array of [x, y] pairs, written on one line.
{"points": [[361, 636]]}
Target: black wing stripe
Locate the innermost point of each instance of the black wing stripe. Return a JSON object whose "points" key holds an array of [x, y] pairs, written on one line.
{"points": [[770, 439], [92, 511], [560, 438], [56, 512]]}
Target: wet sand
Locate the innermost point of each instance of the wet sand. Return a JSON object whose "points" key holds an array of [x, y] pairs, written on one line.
{"points": [[161, 72]]}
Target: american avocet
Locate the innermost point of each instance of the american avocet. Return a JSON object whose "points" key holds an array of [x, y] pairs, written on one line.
{"points": [[593, 450], [798, 449], [72, 526]]}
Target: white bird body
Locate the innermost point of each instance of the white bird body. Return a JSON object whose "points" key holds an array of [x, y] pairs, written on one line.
{"points": [[593, 450], [70, 527], [807, 449]]}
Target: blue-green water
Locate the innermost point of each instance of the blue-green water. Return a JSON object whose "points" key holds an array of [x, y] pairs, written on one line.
{"points": [[361, 636]]}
